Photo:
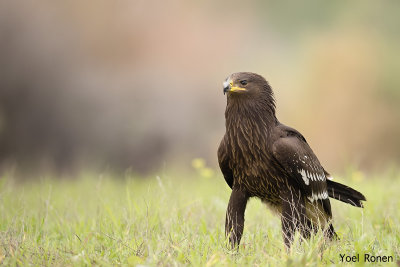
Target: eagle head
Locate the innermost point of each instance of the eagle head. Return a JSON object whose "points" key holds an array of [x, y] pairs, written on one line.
{"points": [[250, 90], [246, 83]]}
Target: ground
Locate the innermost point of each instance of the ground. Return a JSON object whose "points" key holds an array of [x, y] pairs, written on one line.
{"points": [[171, 219]]}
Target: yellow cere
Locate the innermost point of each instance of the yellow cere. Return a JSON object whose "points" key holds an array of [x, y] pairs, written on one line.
{"points": [[234, 89]]}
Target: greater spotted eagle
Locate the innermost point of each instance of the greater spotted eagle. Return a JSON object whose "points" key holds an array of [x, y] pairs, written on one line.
{"points": [[261, 157]]}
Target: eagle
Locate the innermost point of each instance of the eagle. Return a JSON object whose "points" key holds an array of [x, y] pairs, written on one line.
{"points": [[261, 157]]}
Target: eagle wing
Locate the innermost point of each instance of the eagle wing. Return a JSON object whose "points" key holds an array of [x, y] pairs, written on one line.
{"points": [[299, 162], [223, 160]]}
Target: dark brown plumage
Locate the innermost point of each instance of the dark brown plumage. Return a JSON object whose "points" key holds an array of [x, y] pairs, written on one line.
{"points": [[260, 157]]}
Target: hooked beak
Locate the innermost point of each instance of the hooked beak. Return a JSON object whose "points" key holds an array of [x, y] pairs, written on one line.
{"points": [[228, 87]]}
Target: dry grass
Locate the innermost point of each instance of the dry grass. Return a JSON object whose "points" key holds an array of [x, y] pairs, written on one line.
{"points": [[171, 220]]}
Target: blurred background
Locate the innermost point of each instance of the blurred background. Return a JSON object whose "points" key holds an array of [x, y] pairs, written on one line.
{"points": [[138, 84]]}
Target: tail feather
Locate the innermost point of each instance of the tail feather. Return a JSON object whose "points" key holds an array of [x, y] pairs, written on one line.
{"points": [[344, 193]]}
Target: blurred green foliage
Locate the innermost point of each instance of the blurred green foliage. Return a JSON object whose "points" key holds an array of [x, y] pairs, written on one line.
{"points": [[138, 84]]}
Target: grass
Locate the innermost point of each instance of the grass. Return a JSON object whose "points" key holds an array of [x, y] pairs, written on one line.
{"points": [[173, 221]]}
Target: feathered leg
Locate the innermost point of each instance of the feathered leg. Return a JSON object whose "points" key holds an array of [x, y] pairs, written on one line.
{"points": [[293, 217], [234, 222], [330, 233]]}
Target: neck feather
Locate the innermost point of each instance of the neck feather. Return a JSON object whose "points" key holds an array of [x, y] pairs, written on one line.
{"points": [[248, 129], [245, 112]]}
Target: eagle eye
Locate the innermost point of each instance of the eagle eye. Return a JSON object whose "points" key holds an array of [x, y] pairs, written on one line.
{"points": [[243, 82]]}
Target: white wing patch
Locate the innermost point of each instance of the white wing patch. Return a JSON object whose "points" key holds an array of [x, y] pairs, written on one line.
{"points": [[304, 176], [307, 176], [323, 195], [314, 177]]}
